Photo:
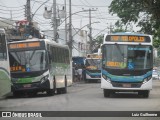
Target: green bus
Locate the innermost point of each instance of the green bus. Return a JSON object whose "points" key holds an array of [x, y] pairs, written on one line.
{"points": [[39, 65]]}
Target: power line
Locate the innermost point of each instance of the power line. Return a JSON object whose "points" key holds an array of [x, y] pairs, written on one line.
{"points": [[11, 7]]}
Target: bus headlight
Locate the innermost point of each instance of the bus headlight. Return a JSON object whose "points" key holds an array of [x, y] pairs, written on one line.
{"points": [[45, 78], [147, 79], [106, 78]]}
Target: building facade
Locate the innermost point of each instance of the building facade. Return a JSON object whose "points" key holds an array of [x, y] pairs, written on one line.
{"points": [[80, 40]]}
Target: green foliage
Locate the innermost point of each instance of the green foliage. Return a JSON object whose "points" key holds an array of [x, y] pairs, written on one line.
{"points": [[99, 39], [146, 13]]}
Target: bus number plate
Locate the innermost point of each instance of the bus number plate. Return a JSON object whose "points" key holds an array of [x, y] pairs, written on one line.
{"points": [[27, 85], [127, 85]]}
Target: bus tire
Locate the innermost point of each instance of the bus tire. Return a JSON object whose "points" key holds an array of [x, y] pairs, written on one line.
{"points": [[50, 92], [84, 77], [64, 89], [144, 93], [58, 90], [106, 92], [86, 81], [54, 85]]}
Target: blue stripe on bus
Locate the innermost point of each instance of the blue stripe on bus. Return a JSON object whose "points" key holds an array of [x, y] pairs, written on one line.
{"points": [[126, 78], [94, 74]]}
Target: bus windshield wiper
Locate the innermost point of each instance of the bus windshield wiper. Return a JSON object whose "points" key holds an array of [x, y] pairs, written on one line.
{"points": [[122, 54]]}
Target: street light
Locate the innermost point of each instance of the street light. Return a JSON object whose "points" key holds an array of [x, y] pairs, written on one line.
{"points": [[39, 8], [84, 27], [73, 14]]}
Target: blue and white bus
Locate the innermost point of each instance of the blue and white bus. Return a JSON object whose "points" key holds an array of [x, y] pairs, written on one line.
{"points": [[39, 65], [5, 82], [92, 69], [127, 63]]}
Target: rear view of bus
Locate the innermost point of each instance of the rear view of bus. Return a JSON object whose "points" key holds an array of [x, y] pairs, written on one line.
{"points": [[127, 62], [5, 83]]}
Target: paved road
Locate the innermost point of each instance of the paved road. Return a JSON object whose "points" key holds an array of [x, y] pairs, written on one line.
{"points": [[85, 97]]}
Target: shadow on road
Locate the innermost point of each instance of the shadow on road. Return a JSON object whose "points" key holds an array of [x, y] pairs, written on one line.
{"points": [[125, 95]]}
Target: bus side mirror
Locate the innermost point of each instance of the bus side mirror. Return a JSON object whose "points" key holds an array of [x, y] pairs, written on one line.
{"points": [[84, 62]]}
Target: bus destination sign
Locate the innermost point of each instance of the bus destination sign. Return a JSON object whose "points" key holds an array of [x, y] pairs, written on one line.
{"points": [[24, 45], [127, 38], [94, 56]]}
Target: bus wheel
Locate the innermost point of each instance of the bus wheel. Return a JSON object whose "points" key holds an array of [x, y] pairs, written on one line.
{"points": [[144, 93], [86, 81], [54, 85], [106, 92], [83, 77], [50, 92], [65, 88], [58, 90], [62, 90]]}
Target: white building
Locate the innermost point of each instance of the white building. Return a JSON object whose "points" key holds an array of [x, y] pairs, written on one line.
{"points": [[80, 40]]}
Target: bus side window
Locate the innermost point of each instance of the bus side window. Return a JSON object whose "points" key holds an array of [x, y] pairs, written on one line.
{"points": [[63, 53], [66, 58], [104, 56], [3, 52], [55, 54], [49, 57]]}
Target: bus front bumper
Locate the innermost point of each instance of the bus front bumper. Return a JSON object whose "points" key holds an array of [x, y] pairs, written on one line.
{"points": [[36, 86], [126, 86]]}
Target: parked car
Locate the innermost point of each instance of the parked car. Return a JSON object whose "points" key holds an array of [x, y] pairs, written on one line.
{"points": [[155, 75]]}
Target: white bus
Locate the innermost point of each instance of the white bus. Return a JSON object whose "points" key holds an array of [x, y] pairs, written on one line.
{"points": [[5, 83], [127, 63], [39, 65]]}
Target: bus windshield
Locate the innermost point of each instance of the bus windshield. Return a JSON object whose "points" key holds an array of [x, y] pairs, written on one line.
{"points": [[27, 61], [93, 62], [132, 57]]}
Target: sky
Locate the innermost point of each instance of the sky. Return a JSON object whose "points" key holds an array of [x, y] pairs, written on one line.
{"points": [[101, 18]]}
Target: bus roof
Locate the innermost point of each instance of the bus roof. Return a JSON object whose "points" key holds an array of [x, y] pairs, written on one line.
{"points": [[128, 33], [51, 42]]}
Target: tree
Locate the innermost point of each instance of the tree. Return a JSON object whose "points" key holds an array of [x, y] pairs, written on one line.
{"points": [[146, 13], [97, 42], [99, 39]]}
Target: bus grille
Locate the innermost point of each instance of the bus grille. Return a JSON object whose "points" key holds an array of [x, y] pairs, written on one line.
{"points": [[132, 85]]}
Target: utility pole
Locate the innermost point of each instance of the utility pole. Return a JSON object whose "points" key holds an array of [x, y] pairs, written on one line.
{"points": [[54, 21], [11, 14], [70, 28], [90, 31], [65, 9], [28, 14]]}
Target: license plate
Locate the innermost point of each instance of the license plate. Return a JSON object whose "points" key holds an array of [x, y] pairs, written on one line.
{"points": [[127, 85], [27, 85]]}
